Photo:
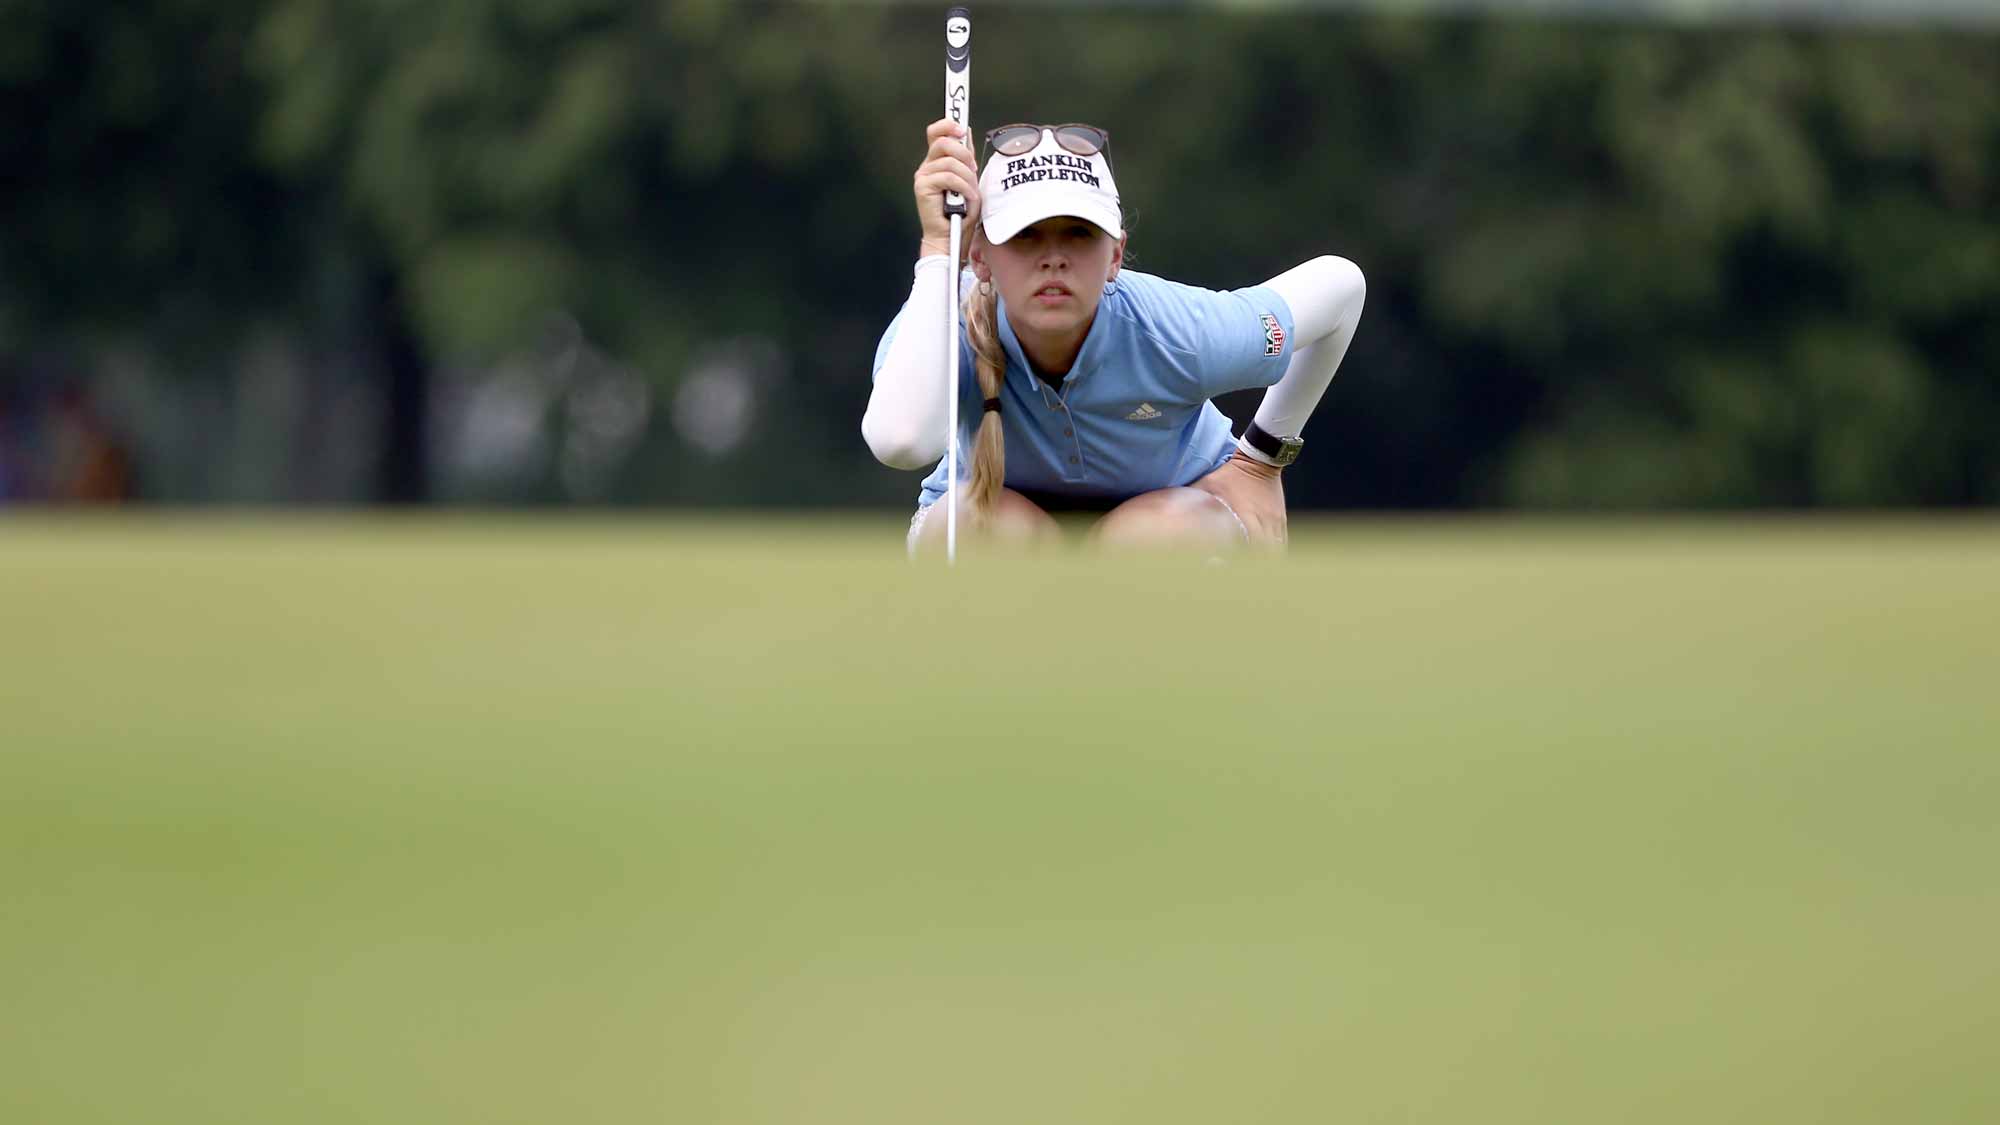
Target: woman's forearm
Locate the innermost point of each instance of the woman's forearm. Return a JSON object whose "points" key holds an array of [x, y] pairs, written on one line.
{"points": [[1325, 295], [909, 408]]}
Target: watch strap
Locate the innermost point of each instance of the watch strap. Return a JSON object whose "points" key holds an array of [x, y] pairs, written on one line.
{"points": [[1268, 447]]}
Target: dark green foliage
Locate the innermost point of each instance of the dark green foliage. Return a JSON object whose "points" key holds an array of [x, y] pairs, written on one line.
{"points": [[1610, 265]]}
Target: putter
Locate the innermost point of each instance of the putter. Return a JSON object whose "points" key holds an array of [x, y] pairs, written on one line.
{"points": [[958, 107]]}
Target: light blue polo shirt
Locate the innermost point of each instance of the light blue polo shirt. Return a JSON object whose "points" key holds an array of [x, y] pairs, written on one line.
{"points": [[1133, 414]]}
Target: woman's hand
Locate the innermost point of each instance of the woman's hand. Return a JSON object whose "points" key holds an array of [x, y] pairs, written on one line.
{"points": [[949, 165], [1253, 491]]}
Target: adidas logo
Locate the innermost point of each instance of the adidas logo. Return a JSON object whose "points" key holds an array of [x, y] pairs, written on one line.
{"points": [[1145, 413]]}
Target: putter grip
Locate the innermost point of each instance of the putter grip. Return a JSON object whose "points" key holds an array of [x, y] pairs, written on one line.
{"points": [[957, 83]]}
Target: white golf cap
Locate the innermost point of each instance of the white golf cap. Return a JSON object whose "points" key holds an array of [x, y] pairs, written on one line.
{"points": [[1016, 192]]}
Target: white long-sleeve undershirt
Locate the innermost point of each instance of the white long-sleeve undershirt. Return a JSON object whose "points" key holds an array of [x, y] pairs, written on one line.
{"points": [[1325, 295], [908, 409]]}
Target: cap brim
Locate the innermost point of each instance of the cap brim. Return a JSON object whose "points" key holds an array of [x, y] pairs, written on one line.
{"points": [[1003, 223]]}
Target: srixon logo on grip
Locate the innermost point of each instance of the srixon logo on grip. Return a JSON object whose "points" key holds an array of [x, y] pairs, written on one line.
{"points": [[1059, 166], [957, 56]]}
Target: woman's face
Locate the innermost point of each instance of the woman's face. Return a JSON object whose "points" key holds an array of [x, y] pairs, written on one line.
{"points": [[1053, 274]]}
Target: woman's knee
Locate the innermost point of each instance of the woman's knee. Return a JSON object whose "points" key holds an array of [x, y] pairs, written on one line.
{"points": [[1171, 517], [1014, 521]]}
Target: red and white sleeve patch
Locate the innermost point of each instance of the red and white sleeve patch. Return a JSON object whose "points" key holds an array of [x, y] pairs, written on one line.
{"points": [[1274, 335]]}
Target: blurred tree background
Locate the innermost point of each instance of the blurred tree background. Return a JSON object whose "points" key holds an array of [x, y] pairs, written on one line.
{"points": [[533, 251]]}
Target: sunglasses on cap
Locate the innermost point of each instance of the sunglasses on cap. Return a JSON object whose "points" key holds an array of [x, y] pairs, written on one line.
{"points": [[1017, 140]]}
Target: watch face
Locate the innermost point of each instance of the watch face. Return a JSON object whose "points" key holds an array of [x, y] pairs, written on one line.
{"points": [[1288, 451]]}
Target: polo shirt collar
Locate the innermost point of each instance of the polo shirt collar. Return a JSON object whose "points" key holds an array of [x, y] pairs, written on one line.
{"points": [[1086, 357]]}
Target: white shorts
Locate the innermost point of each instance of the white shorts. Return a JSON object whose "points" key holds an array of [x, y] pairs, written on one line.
{"points": [[916, 528]]}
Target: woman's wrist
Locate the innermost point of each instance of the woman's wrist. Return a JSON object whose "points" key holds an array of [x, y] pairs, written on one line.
{"points": [[1255, 465]]}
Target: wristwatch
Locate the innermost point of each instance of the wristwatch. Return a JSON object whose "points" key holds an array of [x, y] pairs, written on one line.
{"points": [[1278, 451]]}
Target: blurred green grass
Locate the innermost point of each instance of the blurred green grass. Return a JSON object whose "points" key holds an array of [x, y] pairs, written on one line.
{"points": [[496, 820]]}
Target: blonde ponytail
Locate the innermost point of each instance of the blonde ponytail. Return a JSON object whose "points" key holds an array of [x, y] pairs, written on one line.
{"points": [[989, 448]]}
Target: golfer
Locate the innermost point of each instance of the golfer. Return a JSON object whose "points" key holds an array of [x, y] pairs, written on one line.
{"points": [[1085, 386]]}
